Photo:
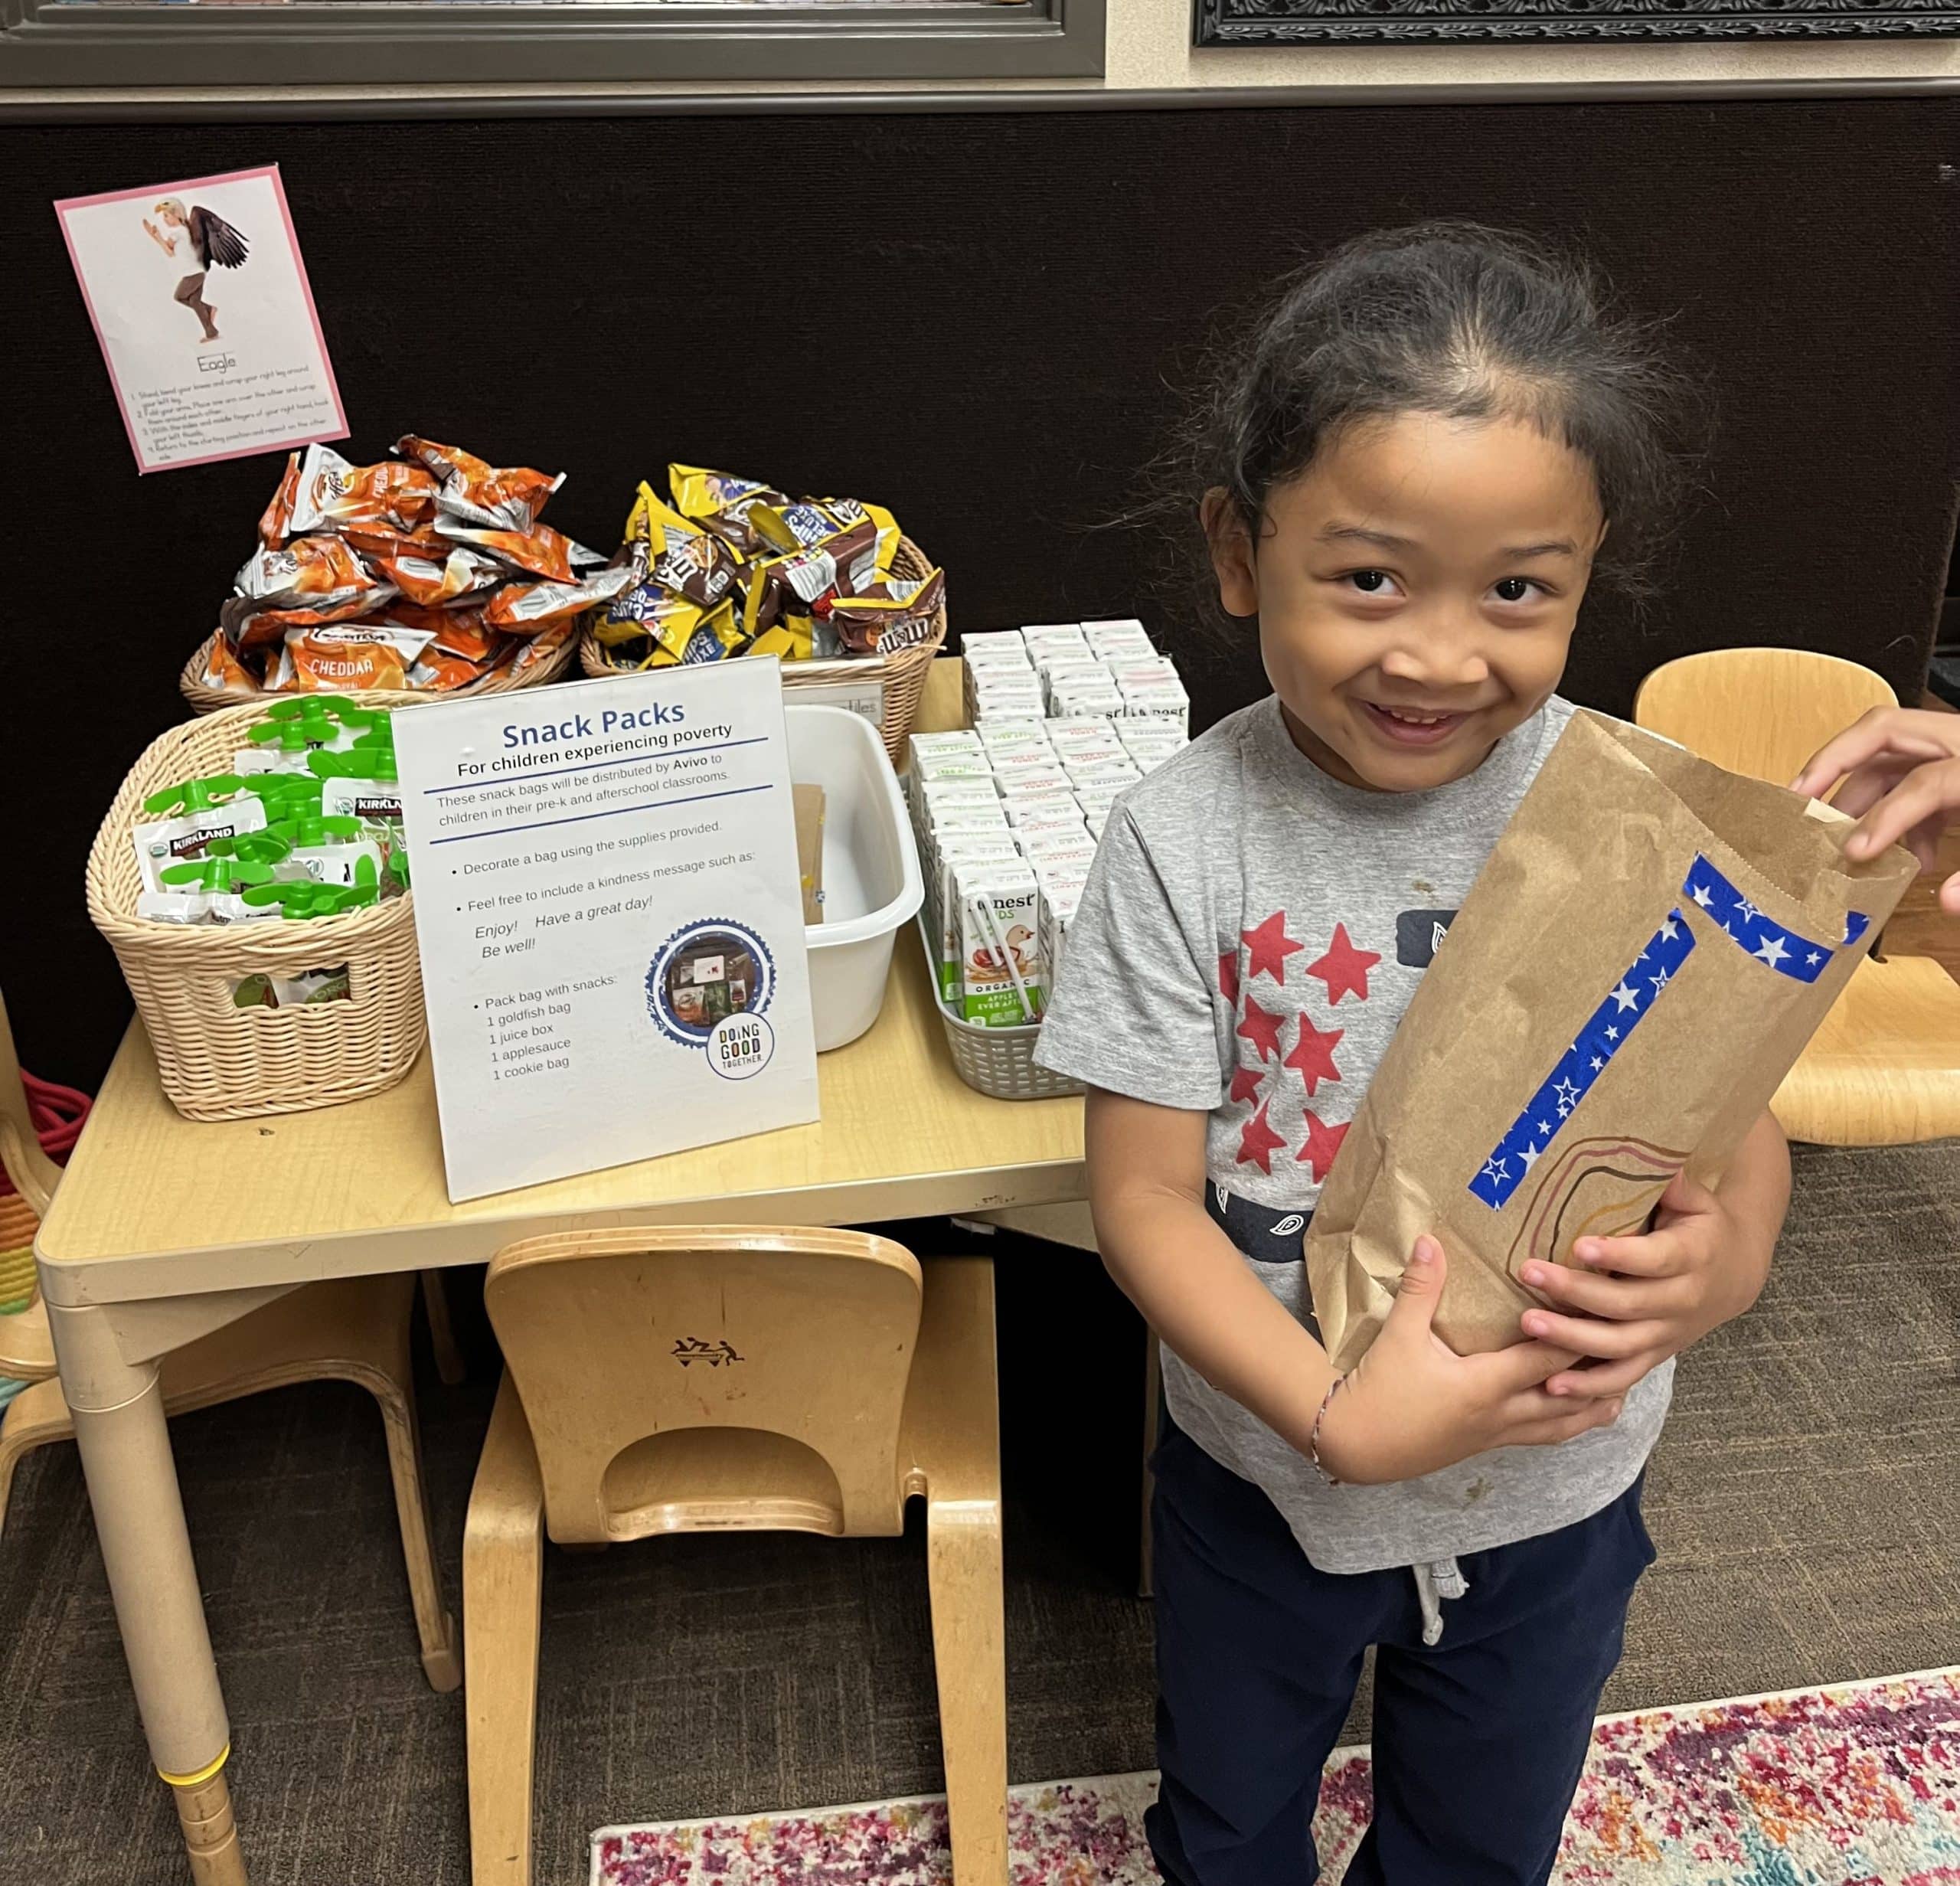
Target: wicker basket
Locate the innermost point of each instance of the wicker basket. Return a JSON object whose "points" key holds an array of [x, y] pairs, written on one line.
{"points": [[901, 677], [999, 1061], [218, 1061], [207, 700]]}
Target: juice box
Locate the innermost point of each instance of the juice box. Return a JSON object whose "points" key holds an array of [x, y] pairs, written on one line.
{"points": [[998, 916]]}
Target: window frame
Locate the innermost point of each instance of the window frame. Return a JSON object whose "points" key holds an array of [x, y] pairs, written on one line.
{"points": [[102, 43]]}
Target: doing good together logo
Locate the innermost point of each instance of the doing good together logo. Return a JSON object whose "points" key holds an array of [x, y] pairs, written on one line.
{"points": [[709, 986]]}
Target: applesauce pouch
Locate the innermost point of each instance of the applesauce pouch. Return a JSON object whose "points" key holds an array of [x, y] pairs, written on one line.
{"points": [[189, 817]]}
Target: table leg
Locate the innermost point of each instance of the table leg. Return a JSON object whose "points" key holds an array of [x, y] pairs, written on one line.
{"points": [[125, 1446]]}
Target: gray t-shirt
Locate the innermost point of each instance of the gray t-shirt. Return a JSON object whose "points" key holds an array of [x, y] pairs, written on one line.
{"points": [[1252, 932]]}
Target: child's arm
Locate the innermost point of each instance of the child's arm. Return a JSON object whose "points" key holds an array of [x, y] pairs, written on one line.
{"points": [[1705, 1261], [1411, 1406]]}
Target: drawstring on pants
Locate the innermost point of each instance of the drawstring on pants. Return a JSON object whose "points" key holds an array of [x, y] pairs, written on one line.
{"points": [[1437, 1583]]}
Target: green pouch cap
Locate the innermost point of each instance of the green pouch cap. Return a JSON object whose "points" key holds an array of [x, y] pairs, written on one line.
{"points": [[285, 795], [196, 795], [250, 848], [220, 877], [359, 762]]}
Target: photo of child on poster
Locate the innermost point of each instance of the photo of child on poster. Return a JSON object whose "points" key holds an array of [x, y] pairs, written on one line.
{"points": [[205, 237]]}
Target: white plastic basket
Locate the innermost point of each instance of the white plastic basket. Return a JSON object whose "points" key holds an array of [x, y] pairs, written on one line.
{"points": [[871, 880], [997, 1061]]}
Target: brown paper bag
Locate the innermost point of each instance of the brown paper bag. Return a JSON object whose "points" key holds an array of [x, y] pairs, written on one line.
{"points": [[1640, 963]]}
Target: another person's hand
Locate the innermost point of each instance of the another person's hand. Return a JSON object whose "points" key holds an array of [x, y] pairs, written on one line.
{"points": [[1413, 1405], [1901, 769], [1629, 1303]]}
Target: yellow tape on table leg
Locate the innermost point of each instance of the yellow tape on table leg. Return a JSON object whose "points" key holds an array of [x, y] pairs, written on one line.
{"points": [[200, 1776]]}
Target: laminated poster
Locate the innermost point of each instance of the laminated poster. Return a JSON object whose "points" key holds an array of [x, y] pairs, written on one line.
{"points": [[201, 306], [610, 917]]}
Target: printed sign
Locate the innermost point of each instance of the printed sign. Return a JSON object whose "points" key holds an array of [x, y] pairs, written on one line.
{"points": [[610, 919], [201, 306]]}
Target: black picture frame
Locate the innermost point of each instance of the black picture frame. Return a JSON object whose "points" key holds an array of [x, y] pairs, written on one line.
{"points": [[1405, 22]]}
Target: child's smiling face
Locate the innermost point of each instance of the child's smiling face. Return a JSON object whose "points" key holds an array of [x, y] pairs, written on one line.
{"points": [[1417, 588]]}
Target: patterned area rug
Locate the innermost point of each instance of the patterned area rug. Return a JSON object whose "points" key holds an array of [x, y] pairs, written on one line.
{"points": [[1856, 1785]]}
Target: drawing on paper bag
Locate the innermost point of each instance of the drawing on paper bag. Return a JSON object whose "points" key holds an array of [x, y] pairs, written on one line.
{"points": [[1597, 1188]]}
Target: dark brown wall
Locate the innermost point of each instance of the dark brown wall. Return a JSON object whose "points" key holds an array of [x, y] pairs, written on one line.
{"points": [[972, 319]]}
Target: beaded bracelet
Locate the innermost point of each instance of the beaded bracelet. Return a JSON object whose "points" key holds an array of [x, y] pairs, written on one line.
{"points": [[1313, 1439]]}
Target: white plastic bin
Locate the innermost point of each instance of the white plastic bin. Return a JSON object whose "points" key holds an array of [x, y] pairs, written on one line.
{"points": [[873, 886]]}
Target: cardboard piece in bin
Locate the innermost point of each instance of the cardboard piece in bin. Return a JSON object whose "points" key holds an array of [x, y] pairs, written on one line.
{"points": [[809, 810], [1646, 951]]}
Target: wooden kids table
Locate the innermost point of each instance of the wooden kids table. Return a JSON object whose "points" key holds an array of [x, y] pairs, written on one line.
{"points": [[136, 1259]]}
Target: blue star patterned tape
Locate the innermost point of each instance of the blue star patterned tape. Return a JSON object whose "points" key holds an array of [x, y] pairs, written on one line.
{"points": [[1784, 950], [1611, 1024]]}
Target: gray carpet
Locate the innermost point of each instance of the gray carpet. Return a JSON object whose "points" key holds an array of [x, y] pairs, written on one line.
{"points": [[1806, 1502]]}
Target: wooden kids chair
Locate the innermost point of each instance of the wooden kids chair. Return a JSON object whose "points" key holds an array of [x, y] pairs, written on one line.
{"points": [[354, 1329], [711, 1379], [1884, 1067]]}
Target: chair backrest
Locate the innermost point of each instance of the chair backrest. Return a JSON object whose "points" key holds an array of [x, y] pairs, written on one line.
{"points": [[34, 1174], [1759, 711], [711, 1377]]}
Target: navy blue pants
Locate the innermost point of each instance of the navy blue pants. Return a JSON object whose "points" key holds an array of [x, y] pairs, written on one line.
{"points": [[1477, 1743]]}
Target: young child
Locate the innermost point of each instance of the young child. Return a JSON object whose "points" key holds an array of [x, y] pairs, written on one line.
{"points": [[1411, 471]]}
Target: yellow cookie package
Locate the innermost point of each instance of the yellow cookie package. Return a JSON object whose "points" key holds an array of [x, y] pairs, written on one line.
{"points": [[1645, 953]]}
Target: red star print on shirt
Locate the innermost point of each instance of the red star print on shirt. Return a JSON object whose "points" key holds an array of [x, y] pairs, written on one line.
{"points": [[1258, 1143], [1312, 1057], [1261, 1027], [1228, 976], [1269, 946], [1344, 969], [1323, 1142], [1245, 1084]]}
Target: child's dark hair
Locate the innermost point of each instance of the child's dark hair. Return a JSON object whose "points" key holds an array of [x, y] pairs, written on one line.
{"points": [[1471, 323]]}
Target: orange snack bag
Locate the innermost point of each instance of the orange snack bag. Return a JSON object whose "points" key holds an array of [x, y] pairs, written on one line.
{"points": [[317, 569], [276, 525], [479, 493], [250, 625], [542, 646], [432, 581], [520, 609], [429, 621], [464, 636], [440, 672], [224, 670], [540, 550], [379, 539], [348, 655], [333, 494]]}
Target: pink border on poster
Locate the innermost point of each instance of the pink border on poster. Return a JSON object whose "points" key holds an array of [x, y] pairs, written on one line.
{"points": [[64, 204]]}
